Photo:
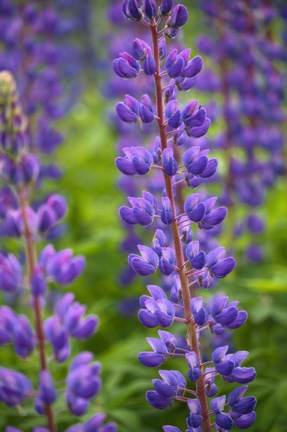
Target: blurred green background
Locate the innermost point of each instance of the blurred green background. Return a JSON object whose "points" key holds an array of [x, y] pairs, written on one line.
{"points": [[89, 182]]}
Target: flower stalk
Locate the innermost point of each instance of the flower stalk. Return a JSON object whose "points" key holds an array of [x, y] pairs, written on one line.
{"points": [[31, 260], [191, 327], [184, 265]]}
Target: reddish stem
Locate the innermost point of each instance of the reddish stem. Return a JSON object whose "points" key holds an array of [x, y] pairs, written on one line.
{"points": [[191, 326], [31, 263]]}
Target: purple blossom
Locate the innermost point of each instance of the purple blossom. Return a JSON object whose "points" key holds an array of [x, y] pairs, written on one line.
{"points": [[11, 275], [128, 111], [162, 349], [194, 372], [229, 365], [14, 387], [63, 267], [167, 389], [156, 310], [183, 248], [137, 160], [195, 418], [21, 169], [145, 264], [126, 66], [47, 391], [217, 264], [142, 212]]}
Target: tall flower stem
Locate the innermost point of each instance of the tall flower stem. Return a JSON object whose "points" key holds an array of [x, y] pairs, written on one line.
{"points": [[31, 260], [191, 326]]}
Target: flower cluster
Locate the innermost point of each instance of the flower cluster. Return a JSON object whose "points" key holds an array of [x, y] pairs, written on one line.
{"points": [[178, 219], [36, 48], [29, 279], [244, 48], [119, 41]]}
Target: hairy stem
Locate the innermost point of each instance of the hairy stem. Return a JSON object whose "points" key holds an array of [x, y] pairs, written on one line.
{"points": [[31, 260], [191, 326]]}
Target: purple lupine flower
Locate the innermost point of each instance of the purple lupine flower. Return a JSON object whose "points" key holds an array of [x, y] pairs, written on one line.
{"points": [[194, 371], [142, 212], [196, 257], [24, 338], [63, 267], [167, 216], [254, 253], [21, 169], [128, 111], [195, 418], [68, 322], [222, 420], [156, 310], [182, 249], [8, 323], [194, 208], [147, 263], [217, 264], [146, 110], [71, 314], [198, 310], [47, 391], [167, 261], [239, 404], [11, 275], [137, 160], [195, 160], [213, 216], [149, 66], [39, 63], [39, 283], [83, 382], [126, 66], [57, 335], [227, 314], [228, 365], [167, 389], [162, 348], [170, 164], [249, 124], [173, 115], [179, 15], [166, 6], [14, 387], [131, 10]]}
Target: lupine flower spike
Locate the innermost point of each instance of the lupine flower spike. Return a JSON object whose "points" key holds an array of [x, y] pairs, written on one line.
{"points": [[175, 251], [252, 107], [20, 170]]}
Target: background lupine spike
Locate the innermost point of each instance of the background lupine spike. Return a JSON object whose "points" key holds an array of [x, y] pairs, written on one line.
{"points": [[248, 126], [20, 171]]}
